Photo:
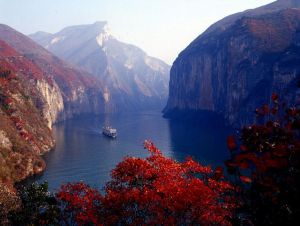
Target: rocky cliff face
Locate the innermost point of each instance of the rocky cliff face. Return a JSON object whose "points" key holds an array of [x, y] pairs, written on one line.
{"points": [[235, 65], [53, 104], [132, 80], [24, 134]]}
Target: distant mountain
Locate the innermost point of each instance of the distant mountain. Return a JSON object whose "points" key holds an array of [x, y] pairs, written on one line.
{"points": [[132, 80], [235, 65]]}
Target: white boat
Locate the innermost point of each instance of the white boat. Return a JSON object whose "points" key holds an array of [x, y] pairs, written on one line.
{"points": [[109, 131]]}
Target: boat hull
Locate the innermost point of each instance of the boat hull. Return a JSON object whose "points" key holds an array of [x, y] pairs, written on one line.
{"points": [[110, 135]]}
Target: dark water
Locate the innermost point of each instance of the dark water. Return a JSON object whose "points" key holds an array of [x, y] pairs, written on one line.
{"points": [[83, 153]]}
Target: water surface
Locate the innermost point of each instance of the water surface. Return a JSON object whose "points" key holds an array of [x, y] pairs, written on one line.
{"points": [[83, 153]]}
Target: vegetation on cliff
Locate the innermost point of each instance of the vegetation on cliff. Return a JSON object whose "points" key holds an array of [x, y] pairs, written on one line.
{"points": [[23, 130]]}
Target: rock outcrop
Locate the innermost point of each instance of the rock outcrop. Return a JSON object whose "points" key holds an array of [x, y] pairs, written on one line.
{"points": [[53, 104], [234, 66], [132, 80]]}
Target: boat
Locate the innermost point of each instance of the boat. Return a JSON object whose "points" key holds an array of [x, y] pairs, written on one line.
{"points": [[109, 131]]}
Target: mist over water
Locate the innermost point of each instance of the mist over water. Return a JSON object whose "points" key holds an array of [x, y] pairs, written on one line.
{"points": [[82, 152]]}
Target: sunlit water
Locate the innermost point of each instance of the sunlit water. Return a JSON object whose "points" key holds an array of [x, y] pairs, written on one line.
{"points": [[82, 152]]}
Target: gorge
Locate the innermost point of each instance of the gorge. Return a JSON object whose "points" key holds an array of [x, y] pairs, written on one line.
{"points": [[39, 89], [213, 139], [229, 70]]}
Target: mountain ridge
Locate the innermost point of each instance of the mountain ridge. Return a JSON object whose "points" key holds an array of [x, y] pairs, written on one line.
{"points": [[132, 79]]}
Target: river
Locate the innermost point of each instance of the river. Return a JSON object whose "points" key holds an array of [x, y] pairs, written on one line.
{"points": [[82, 152]]}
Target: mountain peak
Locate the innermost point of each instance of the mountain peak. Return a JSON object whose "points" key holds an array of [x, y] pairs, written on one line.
{"points": [[89, 29], [104, 34], [42, 33], [92, 30], [100, 26]]}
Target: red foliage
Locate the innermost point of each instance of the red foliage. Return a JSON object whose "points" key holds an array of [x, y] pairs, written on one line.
{"points": [[245, 179], [81, 203], [155, 191], [274, 97], [231, 143]]}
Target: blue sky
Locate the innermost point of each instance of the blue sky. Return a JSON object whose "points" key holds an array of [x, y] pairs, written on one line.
{"points": [[160, 27]]}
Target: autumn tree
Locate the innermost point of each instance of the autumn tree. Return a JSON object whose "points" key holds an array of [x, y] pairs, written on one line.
{"points": [[154, 191], [80, 204]]}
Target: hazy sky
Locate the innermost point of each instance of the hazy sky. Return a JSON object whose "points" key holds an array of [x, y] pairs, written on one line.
{"points": [[160, 27]]}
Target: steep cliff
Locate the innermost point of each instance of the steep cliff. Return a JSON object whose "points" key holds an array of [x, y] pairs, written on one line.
{"points": [[237, 63], [132, 80], [53, 104], [24, 134]]}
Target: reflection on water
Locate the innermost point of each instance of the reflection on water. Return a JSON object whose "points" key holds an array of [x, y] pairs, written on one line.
{"points": [[204, 141], [83, 153]]}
